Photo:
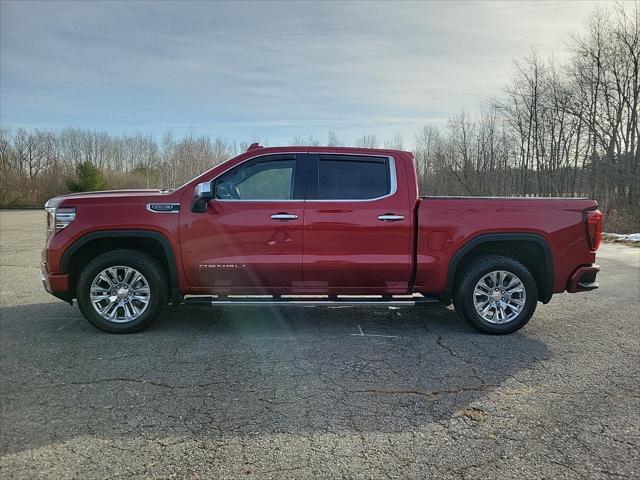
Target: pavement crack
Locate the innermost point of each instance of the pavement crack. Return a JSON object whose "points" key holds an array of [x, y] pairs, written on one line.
{"points": [[127, 380], [426, 393]]}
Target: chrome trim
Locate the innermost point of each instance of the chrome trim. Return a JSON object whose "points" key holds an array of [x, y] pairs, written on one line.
{"points": [[392, 175], [312, 303], [59, 217], [390, 218], [149, 205], [120, 298], [293, 152], [284, 216], [202, 188], [312, 300], [260, 201], [499, 297], [302, 152]]}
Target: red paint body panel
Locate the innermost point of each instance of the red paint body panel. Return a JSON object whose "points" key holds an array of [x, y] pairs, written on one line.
{"points": [[106, 211], [259, 254], [333, 247], [348, 250], [54, 283], [559, 221]]}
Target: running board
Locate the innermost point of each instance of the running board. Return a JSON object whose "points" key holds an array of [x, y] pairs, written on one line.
{"points": [[311, 301]]}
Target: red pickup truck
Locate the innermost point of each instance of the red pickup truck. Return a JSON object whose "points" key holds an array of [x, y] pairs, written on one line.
{"points": [[315, 226]]}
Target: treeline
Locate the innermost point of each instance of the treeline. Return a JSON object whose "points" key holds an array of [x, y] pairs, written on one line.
{"points": [[557, 130]]}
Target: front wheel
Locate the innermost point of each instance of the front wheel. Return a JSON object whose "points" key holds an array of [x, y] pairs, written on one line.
{"points": [[122, 291], [496, 294]]}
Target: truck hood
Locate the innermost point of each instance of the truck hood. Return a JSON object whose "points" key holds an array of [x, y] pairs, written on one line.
{"points": [[56, 201]]}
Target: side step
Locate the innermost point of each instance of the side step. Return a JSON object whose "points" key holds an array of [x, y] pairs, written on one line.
{"points": [[311, 301]]}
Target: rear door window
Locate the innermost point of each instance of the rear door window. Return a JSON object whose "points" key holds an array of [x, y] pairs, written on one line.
{"points": [[347, 177]]}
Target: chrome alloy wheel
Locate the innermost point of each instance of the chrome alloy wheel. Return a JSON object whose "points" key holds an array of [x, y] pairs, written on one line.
{"points": [[499, 297], [120, 294]]}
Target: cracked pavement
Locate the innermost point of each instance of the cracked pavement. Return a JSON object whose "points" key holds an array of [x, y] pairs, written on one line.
{"points": [[265, 393]]}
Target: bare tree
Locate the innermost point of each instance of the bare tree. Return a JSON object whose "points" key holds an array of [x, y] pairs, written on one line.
{"points": [[367, 141], [333, 141], [558, 129]]}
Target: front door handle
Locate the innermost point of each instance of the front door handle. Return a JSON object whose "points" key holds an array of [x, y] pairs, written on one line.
{"points": [[390, 217], [284, 216]]}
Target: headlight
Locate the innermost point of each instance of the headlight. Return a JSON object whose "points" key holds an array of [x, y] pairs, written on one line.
{"points": [[58, 218]]}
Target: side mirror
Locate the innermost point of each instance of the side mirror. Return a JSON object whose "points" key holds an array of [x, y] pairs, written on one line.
{"points": [[203, 193]]}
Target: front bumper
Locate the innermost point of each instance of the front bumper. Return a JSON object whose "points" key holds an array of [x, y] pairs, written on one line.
{"points": [[57, 285], [583, 279]]}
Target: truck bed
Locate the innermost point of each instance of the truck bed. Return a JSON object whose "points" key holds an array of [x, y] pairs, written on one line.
{"points": [[446, 225]]}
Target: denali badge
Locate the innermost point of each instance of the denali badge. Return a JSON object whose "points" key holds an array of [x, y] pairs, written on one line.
{"points": [[221, 265]]}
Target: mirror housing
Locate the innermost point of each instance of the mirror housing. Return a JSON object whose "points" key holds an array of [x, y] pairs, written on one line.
{"points": [[202, 195]]}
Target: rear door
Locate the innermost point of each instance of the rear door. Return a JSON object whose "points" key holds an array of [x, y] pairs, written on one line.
{"points": [[357, 225], [250, 238]]}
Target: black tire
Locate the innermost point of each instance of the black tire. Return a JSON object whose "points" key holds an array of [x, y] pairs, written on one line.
{"points": [[463, 298], [143, 263]]}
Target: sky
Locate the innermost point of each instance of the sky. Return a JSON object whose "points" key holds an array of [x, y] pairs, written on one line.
{"points": [[266, 71]]}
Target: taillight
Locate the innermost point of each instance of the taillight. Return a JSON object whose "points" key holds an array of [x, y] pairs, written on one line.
{"points": [[594, 228]]}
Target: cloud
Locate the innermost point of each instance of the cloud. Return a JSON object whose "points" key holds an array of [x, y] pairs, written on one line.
{"points": [[275, 70]]}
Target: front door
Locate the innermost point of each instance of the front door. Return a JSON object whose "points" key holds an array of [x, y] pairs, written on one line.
{"points": [[250, 239]]}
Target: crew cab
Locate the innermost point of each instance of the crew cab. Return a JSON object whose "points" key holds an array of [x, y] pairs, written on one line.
{"points": [[315, 226]]}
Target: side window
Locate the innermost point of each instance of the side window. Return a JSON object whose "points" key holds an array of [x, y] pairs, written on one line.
{"points": [[260, 180], [353, 178]]}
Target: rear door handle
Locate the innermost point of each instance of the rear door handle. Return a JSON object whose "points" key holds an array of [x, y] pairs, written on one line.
{"points": [[390, 217], [284, 216]]}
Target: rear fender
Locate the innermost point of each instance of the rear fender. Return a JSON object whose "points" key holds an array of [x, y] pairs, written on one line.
{"points": [[468, 247]]}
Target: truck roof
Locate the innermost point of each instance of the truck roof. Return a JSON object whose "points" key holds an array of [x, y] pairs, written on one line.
{"points": [[310, 148]]}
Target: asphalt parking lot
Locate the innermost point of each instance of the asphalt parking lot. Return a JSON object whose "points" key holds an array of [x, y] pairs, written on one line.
{"points": [[296, 392]]}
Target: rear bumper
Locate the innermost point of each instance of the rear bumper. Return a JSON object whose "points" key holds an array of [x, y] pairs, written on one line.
{"points": [[57, 285], [583, 279]]}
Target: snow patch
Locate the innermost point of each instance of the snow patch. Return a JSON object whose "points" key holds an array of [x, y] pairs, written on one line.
{"points": [[617, 237]]}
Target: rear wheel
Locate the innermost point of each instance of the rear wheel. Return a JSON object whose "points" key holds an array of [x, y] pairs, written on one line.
{"points": [[496, 294], [122, 291]]}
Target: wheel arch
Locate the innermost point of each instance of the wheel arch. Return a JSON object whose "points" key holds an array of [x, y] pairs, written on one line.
{"points": [[514, 245], [95, 243]]}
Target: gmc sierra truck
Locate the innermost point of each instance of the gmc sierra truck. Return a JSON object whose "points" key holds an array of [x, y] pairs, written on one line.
{"points": [[315, 226]]}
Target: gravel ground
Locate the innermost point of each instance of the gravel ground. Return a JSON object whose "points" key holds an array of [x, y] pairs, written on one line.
{"points": [[300, 393]]}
